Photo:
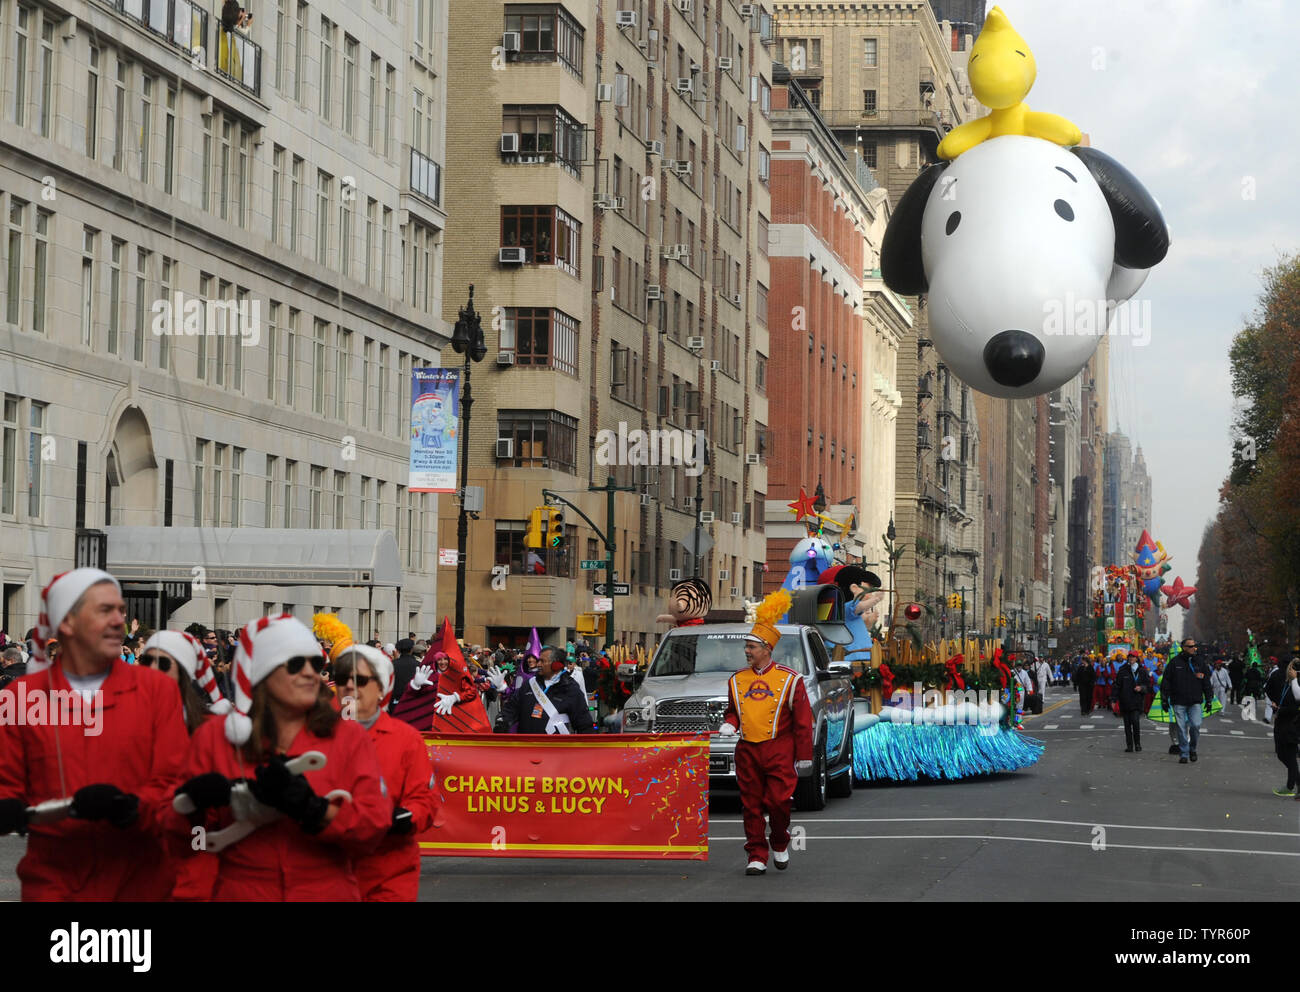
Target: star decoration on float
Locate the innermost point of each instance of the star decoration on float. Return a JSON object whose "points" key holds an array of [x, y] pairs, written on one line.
{"points": [[803, 506]]}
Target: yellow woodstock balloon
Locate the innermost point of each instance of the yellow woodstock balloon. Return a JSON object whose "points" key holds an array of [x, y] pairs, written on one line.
{"points": [[1002, 71]]}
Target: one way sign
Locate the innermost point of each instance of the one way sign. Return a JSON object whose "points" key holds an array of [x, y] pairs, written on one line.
{"points": [[620, 589]]}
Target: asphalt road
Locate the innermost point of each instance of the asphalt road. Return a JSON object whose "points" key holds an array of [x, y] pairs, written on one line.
{"points": [[1088, 823]]}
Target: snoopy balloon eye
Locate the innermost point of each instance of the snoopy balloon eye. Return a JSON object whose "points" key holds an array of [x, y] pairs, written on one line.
{"points": [[1023, 249]]}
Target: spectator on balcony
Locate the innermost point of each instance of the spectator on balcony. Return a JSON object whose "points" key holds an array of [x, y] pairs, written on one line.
{"points": [[533, 564], [231, 13]]}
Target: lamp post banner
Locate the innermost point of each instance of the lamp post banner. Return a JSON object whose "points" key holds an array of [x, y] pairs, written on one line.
{"points": [[631, 796], [435, 427]]}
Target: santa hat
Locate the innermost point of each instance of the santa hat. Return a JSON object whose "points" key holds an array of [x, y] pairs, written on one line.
{"points": [[379, 664], [189, 654], [264, 645], [57, 599]]}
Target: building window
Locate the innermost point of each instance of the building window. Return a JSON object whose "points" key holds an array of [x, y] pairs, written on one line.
{"points": [[542, 438], [9, 456], [318, 367], [326, 67], [300, 52], [869, 153], [20, 65], [763, 234], [510, 551], [761, 308], [268, 498], [869, 53], [236, 498], [291, 359], [547, 33], [115, 295], [141, 302], [548, 236], [92, 104], [342, 373], [351, 52], [317, 497], [340, 498], [169, 139], [290, 481], [539, 336], [764, 164], [88, 236], [146, 113], [869, 102], [373, 102], [41, 270], [390, 83], [324, 197], [35, 462], [545, 134]]}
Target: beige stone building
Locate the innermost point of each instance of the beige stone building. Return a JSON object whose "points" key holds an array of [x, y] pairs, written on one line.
{"points": [[250, 455], [611, 177]]}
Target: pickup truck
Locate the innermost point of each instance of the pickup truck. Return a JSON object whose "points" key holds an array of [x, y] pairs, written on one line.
{"points": [[684, 691]]}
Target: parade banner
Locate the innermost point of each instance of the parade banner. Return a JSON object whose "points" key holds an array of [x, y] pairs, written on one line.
{"points": [[435, 415], [637, 796]]}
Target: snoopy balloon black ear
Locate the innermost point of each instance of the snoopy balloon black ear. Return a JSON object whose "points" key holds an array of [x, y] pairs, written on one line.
{"points": [[900, 251], [1141, 236]]}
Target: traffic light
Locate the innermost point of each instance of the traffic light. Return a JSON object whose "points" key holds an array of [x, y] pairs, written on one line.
{"points": [[533, 535], [554, 527], [954, 600]]}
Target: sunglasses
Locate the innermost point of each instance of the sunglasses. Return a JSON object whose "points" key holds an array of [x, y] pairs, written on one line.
{"points": [[163, 663], [294, 665], [343, 678]]}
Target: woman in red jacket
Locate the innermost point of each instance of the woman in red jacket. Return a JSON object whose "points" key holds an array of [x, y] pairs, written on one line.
{"points": [[181, 658], [282, 711], [364, 678]]}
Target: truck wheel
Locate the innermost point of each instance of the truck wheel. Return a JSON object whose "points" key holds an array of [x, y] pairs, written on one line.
{"points": [[841, 785], [810, 793]]}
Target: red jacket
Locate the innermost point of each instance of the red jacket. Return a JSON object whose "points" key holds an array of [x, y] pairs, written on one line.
{"points": [[392, 873], [278, 862], [140, 749]]}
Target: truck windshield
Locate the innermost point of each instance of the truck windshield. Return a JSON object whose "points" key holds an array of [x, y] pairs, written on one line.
{"points": [[693, 654]]}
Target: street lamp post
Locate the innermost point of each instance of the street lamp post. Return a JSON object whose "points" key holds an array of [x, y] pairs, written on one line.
{"points": [[975, 581], [466, 339], [1022, 614], [892, 552]]}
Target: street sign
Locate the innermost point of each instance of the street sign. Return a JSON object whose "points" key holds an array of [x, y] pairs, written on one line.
{"points": [[601, 604], [706, 543], [447, 556], [620, 588], [592, 564]]}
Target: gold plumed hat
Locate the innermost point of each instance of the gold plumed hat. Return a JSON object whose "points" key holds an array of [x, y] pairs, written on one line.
{"points": [[773, 607]]}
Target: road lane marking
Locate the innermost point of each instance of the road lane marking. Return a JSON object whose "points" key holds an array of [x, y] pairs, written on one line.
{"points": [[1237, 733], [1053, 726], [1044, 840], [1020, 819]]}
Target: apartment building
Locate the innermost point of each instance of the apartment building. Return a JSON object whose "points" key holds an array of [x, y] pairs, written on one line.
{"points": [[612, 177], [222, 259]]}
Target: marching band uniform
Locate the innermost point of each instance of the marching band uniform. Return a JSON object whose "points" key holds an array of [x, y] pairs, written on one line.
{"points": [[768, 706]]}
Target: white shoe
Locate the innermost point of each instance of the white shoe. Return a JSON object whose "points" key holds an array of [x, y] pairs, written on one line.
{"points": [[755, 868], [781, 859]]}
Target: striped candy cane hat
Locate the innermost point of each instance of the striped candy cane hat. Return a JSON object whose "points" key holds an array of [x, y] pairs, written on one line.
{"points": [[189, 654], [264, 645]]}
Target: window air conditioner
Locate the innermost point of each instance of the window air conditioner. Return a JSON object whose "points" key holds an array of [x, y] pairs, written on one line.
{"points": [[747, 10], [724, 574], [510, 143], [674, 575], [715, 366], [510, 41], [752, 459], [645, 499], [625, 18], [707, 517], [735, 518], [505, 358], [682, 167], [511, 256], [604, 92], [725, 64], [695, 343], [654, 292], [505, 447], [684, 6], [654, 148], [684, 85], [735, 591]]}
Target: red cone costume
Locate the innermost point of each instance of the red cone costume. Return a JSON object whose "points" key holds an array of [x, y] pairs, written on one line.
{"points": [[140, 750], [416, 706]]}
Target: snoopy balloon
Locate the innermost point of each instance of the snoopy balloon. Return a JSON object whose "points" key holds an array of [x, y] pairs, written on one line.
{"points": [[1023, 249]]}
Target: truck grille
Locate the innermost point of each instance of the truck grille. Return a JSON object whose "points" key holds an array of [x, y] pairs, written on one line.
{"points": [[689, 716]]}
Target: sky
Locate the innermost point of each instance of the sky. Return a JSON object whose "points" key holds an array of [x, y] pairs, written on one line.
{"points": [[1192, 96]]}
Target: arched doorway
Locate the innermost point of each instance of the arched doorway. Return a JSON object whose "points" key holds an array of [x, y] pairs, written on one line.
{"points": [[131, 474]]}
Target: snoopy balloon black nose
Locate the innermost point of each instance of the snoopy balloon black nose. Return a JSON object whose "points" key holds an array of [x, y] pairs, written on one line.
{"points": [[1014, 358]]}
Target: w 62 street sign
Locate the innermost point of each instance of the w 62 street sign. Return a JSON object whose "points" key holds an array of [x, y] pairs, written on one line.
{"points": [[620, 589]]}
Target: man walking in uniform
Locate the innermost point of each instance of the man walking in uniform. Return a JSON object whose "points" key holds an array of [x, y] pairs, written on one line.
{"points": [[767, 705]]}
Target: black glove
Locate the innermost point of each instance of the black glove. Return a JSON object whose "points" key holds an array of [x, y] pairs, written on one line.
{"points": [[291, 794], [402, 823], [105, 802], [209, 790], [13, 816]]}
